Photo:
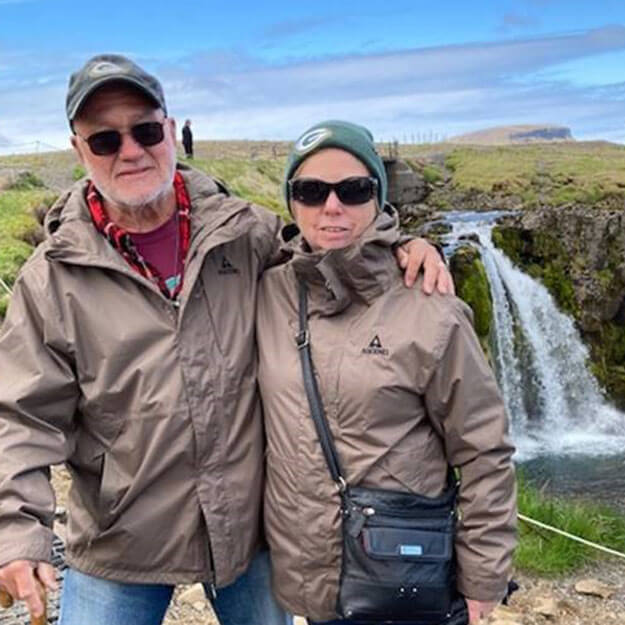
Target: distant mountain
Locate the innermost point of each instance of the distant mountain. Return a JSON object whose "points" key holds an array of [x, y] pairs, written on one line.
{"points": [[4, 141], [503, 135]]}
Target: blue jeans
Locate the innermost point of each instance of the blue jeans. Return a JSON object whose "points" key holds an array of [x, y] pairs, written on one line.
{"points": [[96, 601]]}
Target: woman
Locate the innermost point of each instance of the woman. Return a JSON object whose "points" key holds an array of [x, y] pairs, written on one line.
{"points": [[405, 386]]}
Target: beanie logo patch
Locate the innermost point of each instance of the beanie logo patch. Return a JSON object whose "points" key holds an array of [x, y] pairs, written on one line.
{"points": [[101, 69], [311, 139]]}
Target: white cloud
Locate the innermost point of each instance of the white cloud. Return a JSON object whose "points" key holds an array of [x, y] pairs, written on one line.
{"points": [[442, 90]]}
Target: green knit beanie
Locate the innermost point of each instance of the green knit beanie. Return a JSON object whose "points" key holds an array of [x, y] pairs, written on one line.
{"points": [[338, 134]]}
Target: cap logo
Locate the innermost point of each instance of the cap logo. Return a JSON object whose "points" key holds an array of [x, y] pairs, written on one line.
{"points": [[103, 68], [311, 139]]}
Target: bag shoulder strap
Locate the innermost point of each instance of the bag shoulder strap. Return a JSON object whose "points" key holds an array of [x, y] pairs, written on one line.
{"points": [[317, 412], [315, 403]]}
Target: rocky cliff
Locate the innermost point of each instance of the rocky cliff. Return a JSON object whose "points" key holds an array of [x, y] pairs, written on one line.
{"points": [[579, 254], [523, 133]]}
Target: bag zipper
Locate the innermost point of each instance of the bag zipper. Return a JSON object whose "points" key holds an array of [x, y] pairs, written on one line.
{"points": [[367, 515]]}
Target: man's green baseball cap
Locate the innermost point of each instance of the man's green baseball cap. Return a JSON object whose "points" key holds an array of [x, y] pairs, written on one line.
{"points": [[338, 134], [106, 68]]}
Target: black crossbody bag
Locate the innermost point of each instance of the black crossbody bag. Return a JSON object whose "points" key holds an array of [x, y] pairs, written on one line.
{"points": [[398, 548]]}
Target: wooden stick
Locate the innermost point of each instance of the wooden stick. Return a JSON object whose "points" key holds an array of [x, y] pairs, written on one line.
{"points": [[43, 619], [6, 601]]}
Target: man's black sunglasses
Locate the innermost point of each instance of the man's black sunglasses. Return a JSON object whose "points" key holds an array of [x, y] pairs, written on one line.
{"points": [[350, 191], [108, 142]]}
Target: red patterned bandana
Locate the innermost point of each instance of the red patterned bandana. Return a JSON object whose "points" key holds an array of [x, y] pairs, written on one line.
{"points": [[122, 241]]}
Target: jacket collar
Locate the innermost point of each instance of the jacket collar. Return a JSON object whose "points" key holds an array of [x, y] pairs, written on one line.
{"points": [[359, 272], [71, 236]]}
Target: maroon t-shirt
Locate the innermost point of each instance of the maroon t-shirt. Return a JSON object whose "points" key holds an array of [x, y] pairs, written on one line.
{"points": [[161, 248]]}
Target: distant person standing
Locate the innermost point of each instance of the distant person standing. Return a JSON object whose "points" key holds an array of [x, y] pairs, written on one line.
{"points": [[187, 139]]}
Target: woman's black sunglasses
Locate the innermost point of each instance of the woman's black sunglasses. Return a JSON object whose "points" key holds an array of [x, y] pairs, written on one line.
{"points": [[108, 142], [350, 191]]}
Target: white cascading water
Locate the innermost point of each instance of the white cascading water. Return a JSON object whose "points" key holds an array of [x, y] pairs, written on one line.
{"points": [[555, 404]]}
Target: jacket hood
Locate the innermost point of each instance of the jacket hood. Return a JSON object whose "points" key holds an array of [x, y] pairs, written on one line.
{"points": [[361, 271]]}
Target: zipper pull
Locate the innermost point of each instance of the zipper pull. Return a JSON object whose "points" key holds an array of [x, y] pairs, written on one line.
{"points": [[213, 590], [360, 516]]}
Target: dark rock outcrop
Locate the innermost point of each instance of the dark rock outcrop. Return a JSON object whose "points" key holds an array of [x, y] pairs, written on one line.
{"points": [[405, 185], [472, 286], [549, 133]]}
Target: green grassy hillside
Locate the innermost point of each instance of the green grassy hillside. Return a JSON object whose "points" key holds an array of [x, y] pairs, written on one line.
{"points": [[18, 228], [543, 174]]}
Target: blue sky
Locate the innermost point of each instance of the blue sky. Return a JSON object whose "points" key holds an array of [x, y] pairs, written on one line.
{"points": [[406, 69]]}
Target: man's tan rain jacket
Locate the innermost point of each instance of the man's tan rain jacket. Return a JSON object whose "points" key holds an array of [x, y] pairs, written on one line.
{"points": [[154, 409]]}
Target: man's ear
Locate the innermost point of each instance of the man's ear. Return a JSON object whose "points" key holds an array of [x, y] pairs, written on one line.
{"points": [[77, 148], [172, 128]]}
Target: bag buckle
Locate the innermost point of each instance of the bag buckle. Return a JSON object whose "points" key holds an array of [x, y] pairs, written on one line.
{"points": [[302, 339]]}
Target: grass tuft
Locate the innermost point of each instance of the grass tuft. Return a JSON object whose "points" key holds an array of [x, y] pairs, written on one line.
{"points": [[78, 172], [25, 181], [4, 302], [548, 554], [257, 180], [18, 230]]}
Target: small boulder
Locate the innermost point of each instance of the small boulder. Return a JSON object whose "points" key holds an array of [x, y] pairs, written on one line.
{"points": [[594, 587], [193, 595], [546, 606], [503, 615]]}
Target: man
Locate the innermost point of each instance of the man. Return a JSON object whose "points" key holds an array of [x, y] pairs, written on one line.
{"points": [[128, 353], [187, 139]]}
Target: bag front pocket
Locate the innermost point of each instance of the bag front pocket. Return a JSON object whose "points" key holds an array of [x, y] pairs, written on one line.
{"points": [[389, 543]]}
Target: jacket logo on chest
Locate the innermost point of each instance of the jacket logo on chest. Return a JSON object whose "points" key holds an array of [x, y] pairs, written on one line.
{"points": [[227, 267], [375, 347]]}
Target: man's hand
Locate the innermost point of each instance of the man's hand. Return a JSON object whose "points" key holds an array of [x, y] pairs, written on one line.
{"points": [[479, 610], [27, 581], [418, 253]]}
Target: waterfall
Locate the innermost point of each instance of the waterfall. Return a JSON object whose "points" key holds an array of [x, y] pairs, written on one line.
{"points": [[555, 404]]}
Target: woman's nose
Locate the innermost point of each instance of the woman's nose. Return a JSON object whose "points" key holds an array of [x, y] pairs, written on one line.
{"points": [[332, 203]]}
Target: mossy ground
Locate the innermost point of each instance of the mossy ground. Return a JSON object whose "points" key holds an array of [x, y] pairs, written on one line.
{"points": [[17, 231], [608, 359], [472, 287]]}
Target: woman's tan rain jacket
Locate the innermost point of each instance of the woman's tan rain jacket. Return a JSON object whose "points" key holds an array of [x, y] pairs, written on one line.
{"points": [[154, 409], [406, 389]]}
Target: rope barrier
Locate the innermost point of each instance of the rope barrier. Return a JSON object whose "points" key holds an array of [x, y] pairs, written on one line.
{"points": [[588, 543]]}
